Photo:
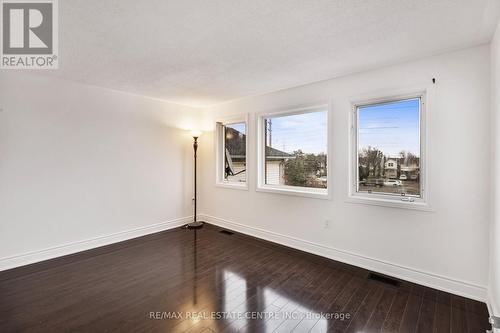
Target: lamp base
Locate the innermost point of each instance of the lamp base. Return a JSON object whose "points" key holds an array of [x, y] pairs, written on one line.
{"points": [[195, 225]]}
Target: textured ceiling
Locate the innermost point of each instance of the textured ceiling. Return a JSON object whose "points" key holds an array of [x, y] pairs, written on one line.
{"points": [[202, 52]]}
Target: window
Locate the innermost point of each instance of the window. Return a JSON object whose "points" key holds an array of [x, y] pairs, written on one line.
{"points": [[389, 149], [293, 151], [232, 153]]}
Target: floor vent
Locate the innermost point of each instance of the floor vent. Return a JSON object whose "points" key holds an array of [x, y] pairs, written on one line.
{"points": [[225, 232], [383, 279]]}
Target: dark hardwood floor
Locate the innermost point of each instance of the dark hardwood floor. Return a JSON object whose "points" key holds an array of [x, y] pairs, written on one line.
{"points": [[167, 282]]}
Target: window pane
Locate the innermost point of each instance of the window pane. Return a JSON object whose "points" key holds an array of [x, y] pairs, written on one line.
{"points": [[296, 150], [235, 155], [389, 148]]}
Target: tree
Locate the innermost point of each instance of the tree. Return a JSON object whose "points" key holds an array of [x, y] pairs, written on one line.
{"points": [[296, 169], [373, 159], [305, 169], [316, 164], [408, 158], [362, 172], [383, 165]]}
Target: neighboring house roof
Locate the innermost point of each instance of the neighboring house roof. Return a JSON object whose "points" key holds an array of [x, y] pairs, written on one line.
{"points": [[235, 144], [276, 154]]}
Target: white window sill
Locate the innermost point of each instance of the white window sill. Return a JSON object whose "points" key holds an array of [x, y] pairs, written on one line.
{"points": [[234, 186], [296, 191], [418, 204]]}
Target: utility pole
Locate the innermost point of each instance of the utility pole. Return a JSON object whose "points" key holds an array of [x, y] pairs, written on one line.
{"points": [[270, 132]]}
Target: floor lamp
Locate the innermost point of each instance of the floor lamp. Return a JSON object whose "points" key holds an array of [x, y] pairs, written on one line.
{"points": [[195, 224]]}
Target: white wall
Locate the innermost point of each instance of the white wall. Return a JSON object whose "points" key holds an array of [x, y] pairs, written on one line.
{"points": [[446, 248], [82, 166], [494, 286]]}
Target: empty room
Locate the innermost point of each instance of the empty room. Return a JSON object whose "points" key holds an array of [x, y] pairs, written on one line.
{"points": [[250, 166]]}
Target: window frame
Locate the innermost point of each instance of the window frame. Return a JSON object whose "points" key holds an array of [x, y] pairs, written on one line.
{"points": [[409, 202], [287, 189], [219, 152]]}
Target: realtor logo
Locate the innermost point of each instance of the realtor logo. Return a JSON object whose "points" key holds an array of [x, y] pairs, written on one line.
{"points": [[29, 34]]}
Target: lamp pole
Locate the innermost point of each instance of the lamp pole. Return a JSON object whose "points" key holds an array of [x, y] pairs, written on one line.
{"points": [[195, 148], [195, 224]]}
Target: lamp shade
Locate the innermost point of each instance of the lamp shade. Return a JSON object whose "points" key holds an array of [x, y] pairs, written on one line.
{"points": [[196, 133]]}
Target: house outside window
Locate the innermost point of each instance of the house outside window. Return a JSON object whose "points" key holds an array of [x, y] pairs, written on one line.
{"points": [[293, 152], [388, 150], [232, 147]]}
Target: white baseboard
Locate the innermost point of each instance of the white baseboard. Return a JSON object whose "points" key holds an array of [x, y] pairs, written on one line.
{"points": [[493, 308], [451, 285], [87, 244], [432, 280]]}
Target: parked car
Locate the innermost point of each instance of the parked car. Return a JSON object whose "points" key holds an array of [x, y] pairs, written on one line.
{"points": [[413, 177], [392, 182], [403, 177]]}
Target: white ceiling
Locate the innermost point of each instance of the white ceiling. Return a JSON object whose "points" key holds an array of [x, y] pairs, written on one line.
{"points": [[202, 52]]}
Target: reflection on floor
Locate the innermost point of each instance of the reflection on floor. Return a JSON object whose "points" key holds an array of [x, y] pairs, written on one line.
{"points": [[203, 281]]}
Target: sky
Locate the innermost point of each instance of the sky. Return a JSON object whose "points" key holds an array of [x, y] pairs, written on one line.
{"points": [[307, 132], [390, 127]]}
